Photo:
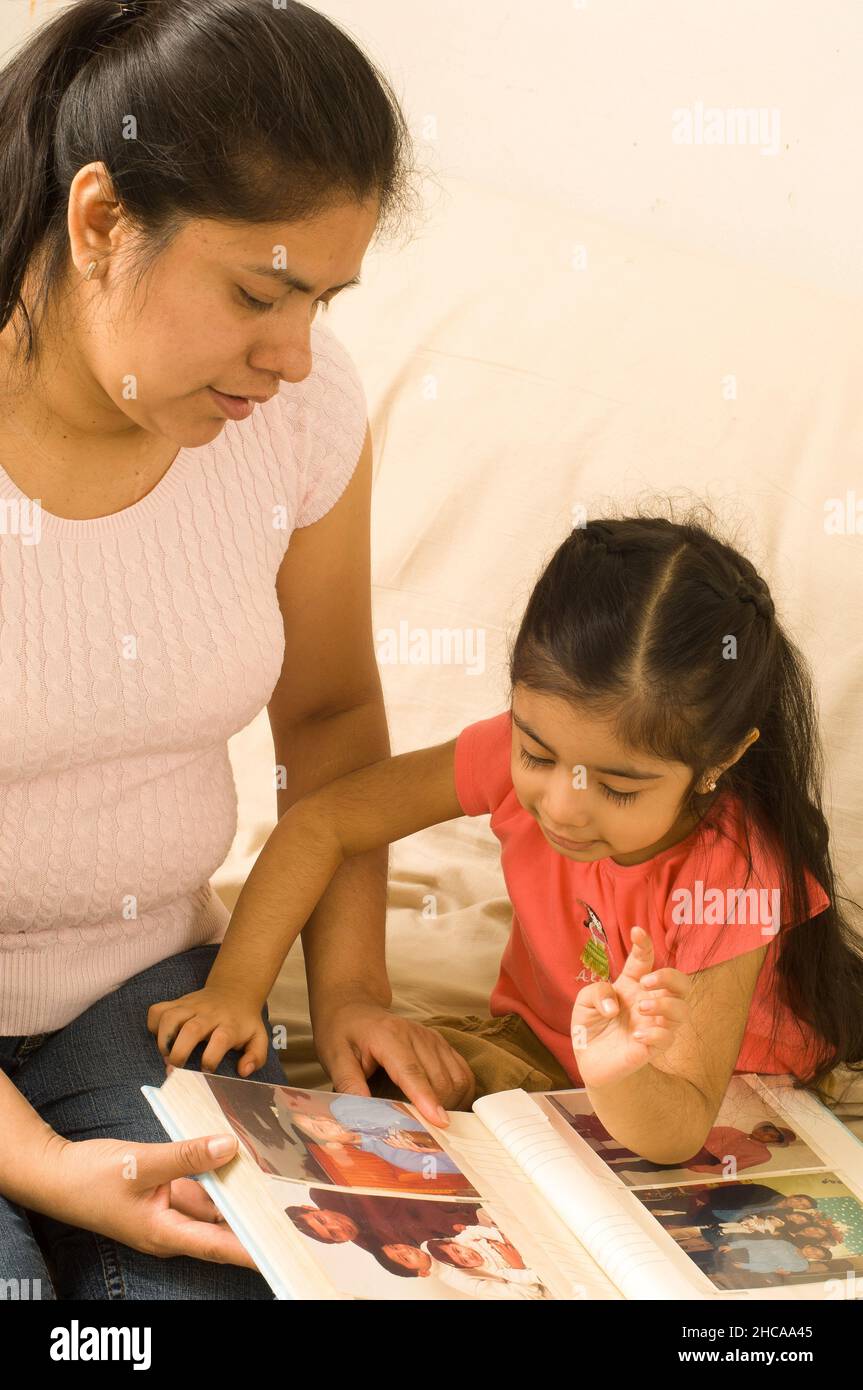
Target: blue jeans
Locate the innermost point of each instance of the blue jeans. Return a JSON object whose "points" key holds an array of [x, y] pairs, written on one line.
{"points": [[84, 1080]]}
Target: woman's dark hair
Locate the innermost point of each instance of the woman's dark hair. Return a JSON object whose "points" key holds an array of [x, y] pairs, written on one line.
{"points": [[239, 110], [668, 632]]}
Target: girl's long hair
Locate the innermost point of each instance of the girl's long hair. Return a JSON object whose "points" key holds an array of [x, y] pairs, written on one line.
{"points": [[668, 631], [236, 110]]}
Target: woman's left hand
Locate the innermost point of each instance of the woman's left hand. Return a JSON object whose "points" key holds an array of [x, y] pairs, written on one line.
{"points": [[646, 1011]]}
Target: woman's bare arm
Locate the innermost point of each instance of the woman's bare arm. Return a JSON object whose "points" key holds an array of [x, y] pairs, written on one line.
{"points": [[25, 1148]]}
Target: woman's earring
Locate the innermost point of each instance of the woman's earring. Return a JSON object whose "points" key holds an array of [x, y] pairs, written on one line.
{"points": [[90, 268]]}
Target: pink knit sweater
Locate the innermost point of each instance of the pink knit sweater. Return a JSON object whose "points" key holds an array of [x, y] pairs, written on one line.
{"points": [[132, 647]]}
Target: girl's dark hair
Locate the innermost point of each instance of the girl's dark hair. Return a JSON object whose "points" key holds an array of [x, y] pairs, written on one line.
{"points": [[633, 621], [238, 110]]}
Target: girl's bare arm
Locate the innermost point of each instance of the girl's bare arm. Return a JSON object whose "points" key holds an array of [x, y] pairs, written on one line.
{"points": [[370, 807]]}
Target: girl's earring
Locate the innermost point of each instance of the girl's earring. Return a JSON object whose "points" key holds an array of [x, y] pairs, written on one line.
{"points": [[90, 268]]}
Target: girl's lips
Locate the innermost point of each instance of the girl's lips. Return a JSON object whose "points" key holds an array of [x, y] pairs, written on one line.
{"points": [[235, 407]]}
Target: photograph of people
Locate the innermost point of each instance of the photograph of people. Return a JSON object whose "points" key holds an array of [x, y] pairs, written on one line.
{"points": [[459, 1244], [353, 1141]]}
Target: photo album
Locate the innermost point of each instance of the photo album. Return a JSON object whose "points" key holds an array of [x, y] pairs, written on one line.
{"points": [[529, 1196]]}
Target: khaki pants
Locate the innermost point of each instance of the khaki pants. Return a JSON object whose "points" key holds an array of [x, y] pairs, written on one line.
{"points": [[503, 1053]]}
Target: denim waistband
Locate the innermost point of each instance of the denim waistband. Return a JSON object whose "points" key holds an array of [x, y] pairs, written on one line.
{"points": [[17, 1049]]}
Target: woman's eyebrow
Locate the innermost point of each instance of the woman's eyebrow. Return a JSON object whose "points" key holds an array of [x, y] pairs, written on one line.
{"points": [[286, 277], [632, 773]]}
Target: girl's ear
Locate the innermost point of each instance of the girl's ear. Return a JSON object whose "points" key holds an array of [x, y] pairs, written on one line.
{"points": [[751, 738]]}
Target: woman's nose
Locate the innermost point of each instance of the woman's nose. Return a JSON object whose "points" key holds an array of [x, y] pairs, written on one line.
{"points": [[288, 357]]}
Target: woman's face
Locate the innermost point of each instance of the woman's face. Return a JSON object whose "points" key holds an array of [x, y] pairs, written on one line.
{"points": [[148, 355]]}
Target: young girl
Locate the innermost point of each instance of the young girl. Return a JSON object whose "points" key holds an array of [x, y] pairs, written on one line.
{"points": [[654, 785]]}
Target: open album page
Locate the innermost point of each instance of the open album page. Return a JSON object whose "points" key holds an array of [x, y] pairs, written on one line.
{"points": [[769, 1208], [356, 1197]]}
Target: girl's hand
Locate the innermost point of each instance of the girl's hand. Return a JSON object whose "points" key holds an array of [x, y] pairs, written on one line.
{"points": [[229, 1020], [645, 1013]]}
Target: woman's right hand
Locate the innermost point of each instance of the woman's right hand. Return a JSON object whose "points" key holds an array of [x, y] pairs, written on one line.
{"points": [[143, 1195], [356, 1036]]}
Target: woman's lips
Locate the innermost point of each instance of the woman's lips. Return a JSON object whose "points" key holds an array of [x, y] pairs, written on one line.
{"points": [[235, 407]]}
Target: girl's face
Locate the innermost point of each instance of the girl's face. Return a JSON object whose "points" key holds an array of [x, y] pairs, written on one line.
{"points": [[582, 786]]}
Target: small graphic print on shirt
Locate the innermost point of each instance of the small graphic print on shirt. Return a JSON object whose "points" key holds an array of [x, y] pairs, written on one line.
{"points": [[595, 953]]}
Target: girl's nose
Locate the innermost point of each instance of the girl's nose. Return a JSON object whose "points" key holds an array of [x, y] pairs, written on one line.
{"points": [[565, 807]]}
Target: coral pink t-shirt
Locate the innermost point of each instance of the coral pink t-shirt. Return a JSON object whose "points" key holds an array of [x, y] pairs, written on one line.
{"points": [[572, 922]]}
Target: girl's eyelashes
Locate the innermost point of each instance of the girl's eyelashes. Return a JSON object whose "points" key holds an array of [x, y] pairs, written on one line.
{"points": [[531, 761], [261, 306], [622, 798]]}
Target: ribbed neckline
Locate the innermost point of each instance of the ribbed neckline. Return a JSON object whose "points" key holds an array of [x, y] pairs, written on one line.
{"points": [[94, 527]]}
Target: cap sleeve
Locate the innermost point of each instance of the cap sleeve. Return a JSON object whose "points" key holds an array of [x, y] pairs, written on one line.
{"points": [[715, 910], [482, 764], [326, 415]]}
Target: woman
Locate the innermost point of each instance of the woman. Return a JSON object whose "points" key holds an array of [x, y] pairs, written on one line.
{"points": [[181, 189]]}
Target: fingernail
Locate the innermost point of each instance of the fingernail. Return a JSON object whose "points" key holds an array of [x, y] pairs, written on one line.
{"points": [[217, 1147], [608, 1006]]}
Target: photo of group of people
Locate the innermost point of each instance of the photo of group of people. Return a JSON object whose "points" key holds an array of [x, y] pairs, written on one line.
{"points": [[349, 1141], [748, 1136], [407, 1247], [789, 1221], [748, 1235]]}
